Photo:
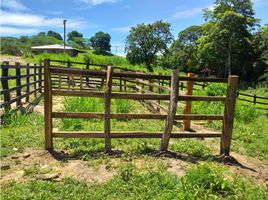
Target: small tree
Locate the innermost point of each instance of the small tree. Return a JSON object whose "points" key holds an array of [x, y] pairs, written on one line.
{"points": [[101, 42], [54, 34], [144, 42], [75, 39]]}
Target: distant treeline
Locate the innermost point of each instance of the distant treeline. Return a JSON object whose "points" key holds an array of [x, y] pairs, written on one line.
{"points": [[100, 42]]}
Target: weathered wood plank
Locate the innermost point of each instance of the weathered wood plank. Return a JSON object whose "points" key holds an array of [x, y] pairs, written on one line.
{"points": [[66, 134], [228, 120], [188, 104], [99, 73], [5, 85], [107, 123], [171, 110], [48, 106], [18, 83], [28, 81], [123, 116]]}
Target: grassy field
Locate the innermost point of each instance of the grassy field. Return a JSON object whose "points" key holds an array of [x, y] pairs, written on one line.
{"points": [[90, 57]]}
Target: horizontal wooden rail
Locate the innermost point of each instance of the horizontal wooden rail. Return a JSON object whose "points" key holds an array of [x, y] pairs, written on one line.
{"points": [[4, 104], [153, 85], [120, 95], [83, 72], [15, 77], [123, 116], [134, 134], [22, 86]]}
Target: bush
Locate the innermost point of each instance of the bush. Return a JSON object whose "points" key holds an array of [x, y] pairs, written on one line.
{"points": [[216, 89]]}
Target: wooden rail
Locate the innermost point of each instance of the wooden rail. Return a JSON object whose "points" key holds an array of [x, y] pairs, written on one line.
{"points": [[114, 80], [28, 81]]}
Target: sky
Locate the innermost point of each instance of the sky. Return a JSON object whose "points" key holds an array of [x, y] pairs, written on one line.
{"points": [[29, 17]]}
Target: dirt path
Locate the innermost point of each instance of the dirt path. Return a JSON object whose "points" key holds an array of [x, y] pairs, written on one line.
{"points": [[12, 59]]}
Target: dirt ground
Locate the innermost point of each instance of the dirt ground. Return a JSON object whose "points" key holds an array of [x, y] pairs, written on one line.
{"points": [[12, 59], [44, 165]]}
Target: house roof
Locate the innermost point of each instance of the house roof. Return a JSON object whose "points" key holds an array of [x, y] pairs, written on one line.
{"points": [[55, 46]]}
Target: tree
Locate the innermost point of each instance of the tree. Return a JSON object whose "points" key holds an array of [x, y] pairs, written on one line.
{"points": [[101, 42], [54, 34], [260, 44], [42, 39], [145, 42], [227, 37], [183, 51], [76, 39], [74, 34]]}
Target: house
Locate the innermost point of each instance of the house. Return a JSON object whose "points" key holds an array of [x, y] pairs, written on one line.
{"points": [[56, 48]]}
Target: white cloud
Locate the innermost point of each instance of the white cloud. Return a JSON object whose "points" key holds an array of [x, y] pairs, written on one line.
{"points": [[11, 31], [97, 2], [187, 13], [32, 20], [13, 5], [123, 29]]}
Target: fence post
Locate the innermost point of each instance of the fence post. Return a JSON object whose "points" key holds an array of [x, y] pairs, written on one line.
{"points": [[174, 91], [18, 83], [151, 88], [228, 119], [125, 85], [181, 86], [35, 84], [120, 82], [87, 78], [40, 77], [69, 66], [4, 81], [48, 106], [188, 104], [28, 82], [254, 99], [159, 89], [107, 125]]}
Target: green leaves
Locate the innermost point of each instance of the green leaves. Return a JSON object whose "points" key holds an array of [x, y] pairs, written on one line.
{"points": [[101, 42], [146, 41]]}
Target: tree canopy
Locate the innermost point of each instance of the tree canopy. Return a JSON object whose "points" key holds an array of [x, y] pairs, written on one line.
{"points": [[76, 40], [183, 51], [146, 41], [226, 42], [100, 42], [54, 34]]}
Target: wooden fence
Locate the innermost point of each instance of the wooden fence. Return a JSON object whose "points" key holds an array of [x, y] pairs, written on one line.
{"points": [[258, 101], [19, 82], [62, 81]]}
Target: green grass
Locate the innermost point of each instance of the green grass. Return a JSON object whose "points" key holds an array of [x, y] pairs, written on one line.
{"points": [[21, 130], [206, 181]]}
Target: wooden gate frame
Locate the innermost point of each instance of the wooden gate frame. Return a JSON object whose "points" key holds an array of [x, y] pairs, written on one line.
{"points": [[173, 97]]}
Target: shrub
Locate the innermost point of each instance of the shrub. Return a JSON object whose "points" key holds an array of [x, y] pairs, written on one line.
{"points": [[216, 89]]}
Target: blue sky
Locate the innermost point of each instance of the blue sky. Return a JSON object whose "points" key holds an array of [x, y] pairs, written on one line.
{"points": [[28, 17]]}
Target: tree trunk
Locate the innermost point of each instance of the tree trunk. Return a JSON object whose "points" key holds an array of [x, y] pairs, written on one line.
{"points": [[149, 67], [229, 57]]}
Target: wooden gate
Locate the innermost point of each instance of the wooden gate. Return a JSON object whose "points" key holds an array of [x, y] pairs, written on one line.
{"points": [[63, 81]]}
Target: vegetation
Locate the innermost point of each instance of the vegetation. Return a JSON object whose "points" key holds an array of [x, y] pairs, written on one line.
{"points": [[201, 182], [101, 42], [144, 42], [250, 127]]}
